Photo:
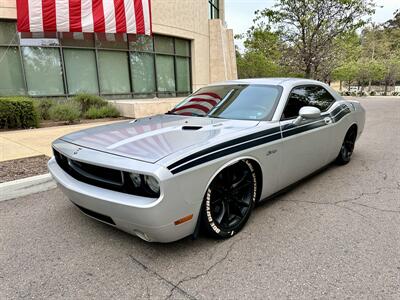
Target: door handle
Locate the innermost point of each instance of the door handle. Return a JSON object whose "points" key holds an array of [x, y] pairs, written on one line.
{"points": [[328, 120]]}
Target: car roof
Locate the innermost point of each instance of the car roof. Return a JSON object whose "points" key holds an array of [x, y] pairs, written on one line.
{"points": [[285, 82]]}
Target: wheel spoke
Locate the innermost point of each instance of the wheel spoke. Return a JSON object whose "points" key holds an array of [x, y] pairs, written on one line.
{"points": [[242, 203], [219, 218], [241, 187]]}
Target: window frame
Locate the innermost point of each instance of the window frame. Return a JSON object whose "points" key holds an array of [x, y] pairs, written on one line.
{"points": [[305, 85], [128, 50]]}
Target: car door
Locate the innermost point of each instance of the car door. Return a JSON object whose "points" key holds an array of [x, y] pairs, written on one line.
{"points": [[305, 146]]}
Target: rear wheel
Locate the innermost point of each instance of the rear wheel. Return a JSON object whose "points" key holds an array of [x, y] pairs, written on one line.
{"points": [[347, 148], [229, 200]]}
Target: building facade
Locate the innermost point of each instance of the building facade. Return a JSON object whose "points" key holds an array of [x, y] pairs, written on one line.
{"points": [[190, 47]]}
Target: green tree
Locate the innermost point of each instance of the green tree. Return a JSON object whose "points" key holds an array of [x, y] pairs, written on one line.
{"points": [[309, 28], [347, 72]]}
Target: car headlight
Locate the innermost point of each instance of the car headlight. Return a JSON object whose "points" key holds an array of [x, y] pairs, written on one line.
{"points": [[152, 183], [136, 180], [145, 185]]}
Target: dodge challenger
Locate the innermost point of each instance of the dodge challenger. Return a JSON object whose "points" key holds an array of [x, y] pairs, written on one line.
{"points": [[207, 162]]}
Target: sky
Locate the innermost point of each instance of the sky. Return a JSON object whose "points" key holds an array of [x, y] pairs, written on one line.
{"points": [[239, 14]]}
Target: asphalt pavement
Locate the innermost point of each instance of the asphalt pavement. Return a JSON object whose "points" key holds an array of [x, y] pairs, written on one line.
{"points": [[336, 235]]}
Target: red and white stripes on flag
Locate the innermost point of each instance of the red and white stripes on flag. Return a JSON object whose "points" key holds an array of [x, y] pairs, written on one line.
{"points": [[200, 104], [109, 16]]}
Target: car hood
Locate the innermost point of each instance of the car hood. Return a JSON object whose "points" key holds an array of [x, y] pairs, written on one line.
{"points": [[153, 138]]}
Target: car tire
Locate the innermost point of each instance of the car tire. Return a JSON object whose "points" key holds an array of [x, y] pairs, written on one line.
{"points": [[229, 200], [347, 147]]}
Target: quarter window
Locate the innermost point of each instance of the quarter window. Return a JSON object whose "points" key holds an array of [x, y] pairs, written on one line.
{"points": [[311, 95]]}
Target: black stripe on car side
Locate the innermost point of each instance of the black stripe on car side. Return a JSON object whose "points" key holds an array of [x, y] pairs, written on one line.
{"points": [[345, 110], [227, 151], [296, 130], [225, 145], [256, 139]]}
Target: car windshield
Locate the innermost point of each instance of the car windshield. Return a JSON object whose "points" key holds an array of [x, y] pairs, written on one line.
{"points": [[240, 102]]}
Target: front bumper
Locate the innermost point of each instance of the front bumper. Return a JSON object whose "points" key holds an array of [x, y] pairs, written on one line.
{"points": [[150, 219]]}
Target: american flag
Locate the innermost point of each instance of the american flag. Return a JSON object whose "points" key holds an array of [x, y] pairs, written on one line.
{"points": [[108, 16], [199, 104]]}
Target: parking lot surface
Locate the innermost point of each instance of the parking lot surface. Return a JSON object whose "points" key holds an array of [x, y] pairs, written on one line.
{"points": [[335, 235]]}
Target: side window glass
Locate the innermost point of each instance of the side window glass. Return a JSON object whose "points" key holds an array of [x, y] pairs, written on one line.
{"points": [[319, 97], [297, 99]]}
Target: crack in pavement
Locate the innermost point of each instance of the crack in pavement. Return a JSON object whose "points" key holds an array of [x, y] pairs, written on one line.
{"points": [[194, 277], [376, 208], [352, 201], [162, 278]]}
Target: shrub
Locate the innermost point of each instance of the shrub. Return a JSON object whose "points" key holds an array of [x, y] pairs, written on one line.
{"points": [[68, 111], [361, 94], [43, 107], [394, 93], [87, 101], [372, 93], [107, 111], [18, 112]]}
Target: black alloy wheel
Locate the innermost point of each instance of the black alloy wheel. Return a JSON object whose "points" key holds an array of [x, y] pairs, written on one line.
{"points": [[347, 147], [229, 200]]}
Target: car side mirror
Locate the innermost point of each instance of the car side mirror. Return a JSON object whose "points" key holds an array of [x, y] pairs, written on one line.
{"points": [[307, 113]]}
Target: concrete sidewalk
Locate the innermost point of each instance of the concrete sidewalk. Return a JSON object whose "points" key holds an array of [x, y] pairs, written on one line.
{"points": [[31, 142]]}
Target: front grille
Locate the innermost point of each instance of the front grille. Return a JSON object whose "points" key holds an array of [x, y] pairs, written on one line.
{"points": [[107, 178], [97, 216]]}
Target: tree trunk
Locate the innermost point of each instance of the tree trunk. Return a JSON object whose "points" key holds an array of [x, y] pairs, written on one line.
{"points": [[308, 71], [369, 85], [341, 85], [386, 88]]}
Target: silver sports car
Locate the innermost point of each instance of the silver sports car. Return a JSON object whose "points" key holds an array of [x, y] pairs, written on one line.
{"points": [[207, 162]]}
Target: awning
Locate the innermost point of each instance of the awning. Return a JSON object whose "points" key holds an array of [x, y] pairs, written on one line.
{"points": [[109, 16]]}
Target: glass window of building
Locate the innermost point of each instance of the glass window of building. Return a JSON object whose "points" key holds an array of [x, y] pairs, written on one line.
{"points": [[114, 72], [80, 69], [77, 39], [111, 40], [213, 9], [142, 43], [183, 74], [60, 64], [182, 47], [165, 75], [142, 70], [11, 79], [164, 44], [8, 33], [43, 71]]}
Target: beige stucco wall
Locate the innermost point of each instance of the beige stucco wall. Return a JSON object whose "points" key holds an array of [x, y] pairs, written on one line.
{"points": [[7, 9]]}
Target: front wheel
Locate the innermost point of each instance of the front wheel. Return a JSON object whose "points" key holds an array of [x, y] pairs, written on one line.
{"points": [[229, 200], [347, 147]]}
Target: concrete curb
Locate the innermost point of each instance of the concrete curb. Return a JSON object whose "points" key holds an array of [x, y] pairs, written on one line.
{"points": [[26, 186]]}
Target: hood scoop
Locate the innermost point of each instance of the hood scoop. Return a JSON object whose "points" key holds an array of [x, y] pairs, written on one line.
{"points": [[191, 127]]}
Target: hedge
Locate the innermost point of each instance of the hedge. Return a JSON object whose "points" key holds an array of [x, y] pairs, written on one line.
{"points": [[18, 112], [87, 101], [68, 111]]}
